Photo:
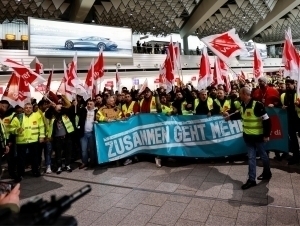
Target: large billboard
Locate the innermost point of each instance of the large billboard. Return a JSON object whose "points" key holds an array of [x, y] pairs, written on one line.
{"points": [[63, 39], [249, 54]]}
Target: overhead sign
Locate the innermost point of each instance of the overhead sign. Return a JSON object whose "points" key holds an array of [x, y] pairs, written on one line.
{"points": [[63, 39]]}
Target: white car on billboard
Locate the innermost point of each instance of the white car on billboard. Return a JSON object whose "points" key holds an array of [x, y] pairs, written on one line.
{"points": [[91, 42]]}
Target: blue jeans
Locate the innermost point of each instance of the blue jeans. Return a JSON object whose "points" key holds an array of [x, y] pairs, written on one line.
{"points": [[47, 153], [87, 143], [252, 148]]}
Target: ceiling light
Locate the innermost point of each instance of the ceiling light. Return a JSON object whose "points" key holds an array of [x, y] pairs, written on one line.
{"points": [[153, 27], [167, 21], [93, 21], [130, 14]]}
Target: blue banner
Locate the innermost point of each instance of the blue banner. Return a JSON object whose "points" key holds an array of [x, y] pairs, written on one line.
{"points": [[189, 136]]}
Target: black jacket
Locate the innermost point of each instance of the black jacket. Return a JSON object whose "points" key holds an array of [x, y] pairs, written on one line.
{"points": [[82, 114], [51, 113]]}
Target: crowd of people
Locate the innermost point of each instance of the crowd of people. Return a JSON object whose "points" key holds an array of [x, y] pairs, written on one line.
{"points": [[64, 127]]}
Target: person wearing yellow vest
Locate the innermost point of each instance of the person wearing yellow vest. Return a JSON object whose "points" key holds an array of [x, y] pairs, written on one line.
{"points": [[290, 104], [30, 131], [60, 132], [130, 107], [206, 105], [149, 104], [109, 112], [11, 156], [4, 134], [256, 132], [181, 105], [167, 107], [235, 102], [222, 101]]}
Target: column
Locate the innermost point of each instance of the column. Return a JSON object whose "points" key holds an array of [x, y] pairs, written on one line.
{"points": [[186, 50]]}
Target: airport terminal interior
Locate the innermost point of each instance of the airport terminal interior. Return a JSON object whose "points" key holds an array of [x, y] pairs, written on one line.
{"points": [[134, 167]]}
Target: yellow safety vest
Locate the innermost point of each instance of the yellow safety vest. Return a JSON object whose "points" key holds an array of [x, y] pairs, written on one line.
{"points": [[33, 128], [295, 99], [7, 123], [128, 110], [66, 121], [237, 104], [252, 125], [185, 112], [165, 109], [225, 107], [152, 105], [5, 133], [196, 103]]}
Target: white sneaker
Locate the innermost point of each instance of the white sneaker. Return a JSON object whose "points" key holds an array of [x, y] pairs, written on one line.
{"points": [[48, 170], [59, 170], [127, 162], [158, 162]]}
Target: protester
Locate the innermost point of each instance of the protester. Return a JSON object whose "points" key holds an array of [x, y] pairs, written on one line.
{"points": [[29, 129], [87, 117], [257, 130], [60, 132]]}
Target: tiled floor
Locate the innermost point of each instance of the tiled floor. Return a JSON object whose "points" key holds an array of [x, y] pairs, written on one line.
{"points": [[193, 194]]}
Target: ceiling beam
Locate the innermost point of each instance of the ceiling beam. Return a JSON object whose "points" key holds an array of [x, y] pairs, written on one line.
{"points": [[281, 8], [80, 9], [203, 11]]}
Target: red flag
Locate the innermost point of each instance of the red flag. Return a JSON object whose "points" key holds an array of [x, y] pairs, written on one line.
{"points": [[227, 83], [49, 81], [218, 73], [27, 74], [17, 91], [258, 69], [169, 70], [144, 86], [242, 77], [72, 75], [39, 68], [99, 66], [172, 53], [24, 92], [226, 46], [89, 81], [290, 58], [205, 70]]}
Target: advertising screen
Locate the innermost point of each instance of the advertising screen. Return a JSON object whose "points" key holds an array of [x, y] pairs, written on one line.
{"points": [[249, 54], [63, 39]]}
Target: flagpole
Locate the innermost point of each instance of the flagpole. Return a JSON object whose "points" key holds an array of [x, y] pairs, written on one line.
{"points": [[231, 69]]}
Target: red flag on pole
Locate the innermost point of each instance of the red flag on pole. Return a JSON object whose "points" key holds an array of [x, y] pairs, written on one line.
{"points": [[205, 70], [27, 74], [17, 91], [39, 68], [49, 80], [169, 69], [258, 69], [226, 45]]}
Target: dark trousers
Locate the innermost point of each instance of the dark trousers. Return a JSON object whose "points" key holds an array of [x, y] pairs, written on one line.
{"points": [[33, 155], [61, 144], [12, 161], [294, 144]]}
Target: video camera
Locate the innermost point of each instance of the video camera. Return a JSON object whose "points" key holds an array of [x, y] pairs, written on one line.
{"points": [[41, 212]]}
